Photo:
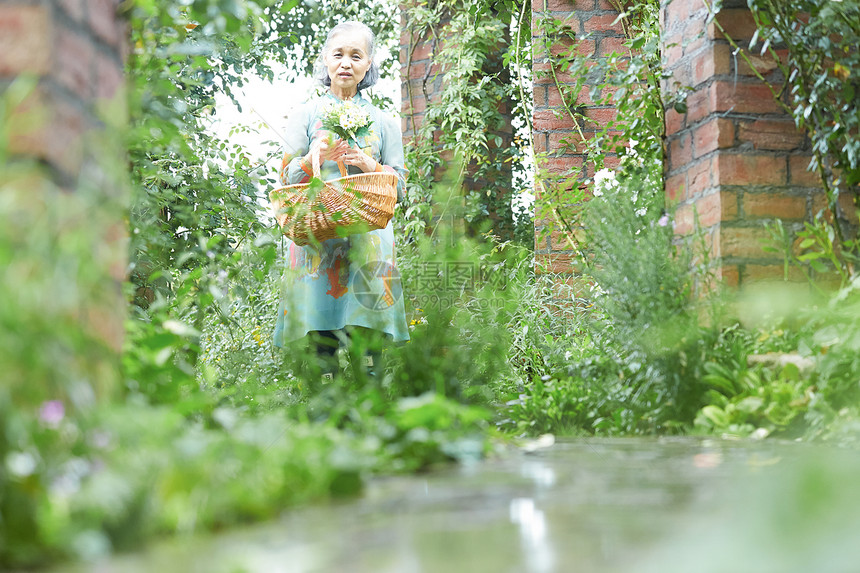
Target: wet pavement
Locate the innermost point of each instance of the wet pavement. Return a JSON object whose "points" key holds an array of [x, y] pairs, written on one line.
{"points": [[596, 505]]}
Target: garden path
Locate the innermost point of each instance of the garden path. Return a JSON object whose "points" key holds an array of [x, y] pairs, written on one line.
{"points": [[607, 505]]}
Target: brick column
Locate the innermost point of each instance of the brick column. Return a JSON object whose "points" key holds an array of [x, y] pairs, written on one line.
{"points": [[74, 50], [563, 164], [735, 157], [423, 82], [421, 78], [75, 47]]}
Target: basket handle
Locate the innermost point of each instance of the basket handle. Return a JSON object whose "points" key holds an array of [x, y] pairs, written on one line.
{"points": [[315, 163]]}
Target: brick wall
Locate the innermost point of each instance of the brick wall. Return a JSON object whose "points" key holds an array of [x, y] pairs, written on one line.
{"points": [[735, 157], [421, 77], [74, 49], [423, 80], [562, 163]]}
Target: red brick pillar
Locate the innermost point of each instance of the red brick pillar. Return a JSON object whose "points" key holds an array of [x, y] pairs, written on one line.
{"points": [[421, 78], [73, 50], [423, 83], [734, 157], [561, 164], [76, 48]]}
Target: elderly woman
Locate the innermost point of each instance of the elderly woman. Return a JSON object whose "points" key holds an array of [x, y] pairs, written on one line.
{"points": [[339, 290]]}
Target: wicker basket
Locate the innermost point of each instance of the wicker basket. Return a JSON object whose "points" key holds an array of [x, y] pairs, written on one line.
{"points": [[345, 206]]}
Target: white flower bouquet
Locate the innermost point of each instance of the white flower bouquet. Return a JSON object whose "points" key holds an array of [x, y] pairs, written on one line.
{"points": [[347, 120]]}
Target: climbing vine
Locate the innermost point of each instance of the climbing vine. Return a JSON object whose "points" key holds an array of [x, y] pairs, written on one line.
{"points": [[468, 121], [814, 43], [628, 82]]}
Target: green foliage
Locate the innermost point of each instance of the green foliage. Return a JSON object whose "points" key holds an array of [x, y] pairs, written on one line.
{"points": [[195, 198], [460, 335], [641, 358], [413, 432], [816, 251], [833, 343], [57, 351], [752, 401], [821, 68], [806, 387], [647, 347], [649, 351], [551, 406], [127, 472], [644, 293], [237, 354]]}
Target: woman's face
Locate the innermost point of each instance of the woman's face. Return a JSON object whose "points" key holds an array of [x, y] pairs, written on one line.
{"points": [[347, 61]]}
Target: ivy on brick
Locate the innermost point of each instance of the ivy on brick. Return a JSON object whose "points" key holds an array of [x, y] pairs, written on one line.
{"points": [[608, 80], [466, 117]]}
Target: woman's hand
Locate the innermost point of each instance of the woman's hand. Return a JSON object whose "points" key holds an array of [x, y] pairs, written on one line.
{"points": [[331, 149], [360, 159]]}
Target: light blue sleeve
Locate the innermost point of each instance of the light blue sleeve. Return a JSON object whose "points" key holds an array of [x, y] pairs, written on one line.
{"points": [[296, 145]]}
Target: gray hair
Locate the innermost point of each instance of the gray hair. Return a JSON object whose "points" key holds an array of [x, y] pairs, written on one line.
{"points": [[372, 76]]}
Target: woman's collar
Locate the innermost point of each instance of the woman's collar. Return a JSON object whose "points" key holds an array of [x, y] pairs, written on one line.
{"points": [[357, 97]]}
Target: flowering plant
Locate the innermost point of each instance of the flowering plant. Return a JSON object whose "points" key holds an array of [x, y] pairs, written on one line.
{"points": [[346, 120]]}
